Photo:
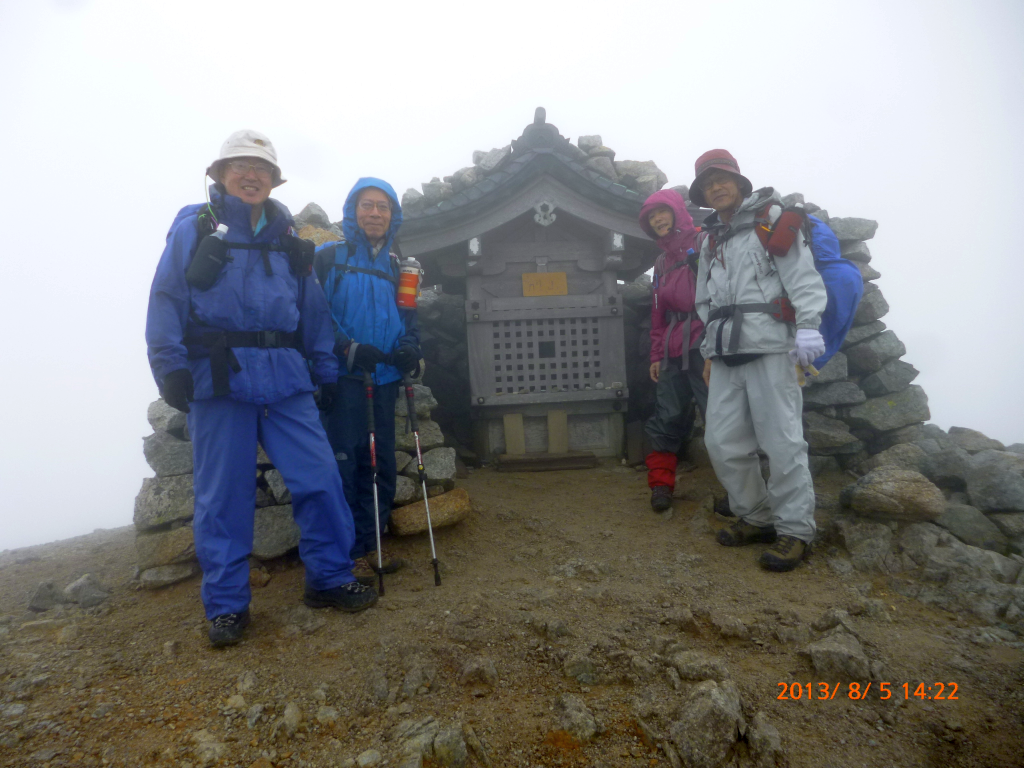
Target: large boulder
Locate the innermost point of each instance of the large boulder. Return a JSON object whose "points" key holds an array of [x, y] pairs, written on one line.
{"points": [[851, 229], [425, 403], [973, 441], [165, 575], [176, 545], [894, 376], [446, 509], [871, 355], [900, 456], [587, 143], [836, 393], [167, 455], [406, 491], [164, 500], [946, 467], [891, 412], [856, 251], [827, 437], [631, 171], [895, 493], [494, 159], [860, 333], [275, 532], [314, 215], [867, 542], [709, 724], [163, 418], [603, 166], [972, 527], [995, 481], [835, 369], [430, 436], [872, 307], [439, 464]]}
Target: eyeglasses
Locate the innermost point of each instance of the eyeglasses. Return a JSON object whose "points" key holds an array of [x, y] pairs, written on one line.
{"points": [[369, 205], [241, 167]]}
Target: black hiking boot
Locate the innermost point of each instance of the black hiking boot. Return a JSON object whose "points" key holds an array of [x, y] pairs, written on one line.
{"points": [[389, 563], [364, 572], [785, 555], [351, 598], [661, 498], [722, 509], [740, 533], [227, 628]]}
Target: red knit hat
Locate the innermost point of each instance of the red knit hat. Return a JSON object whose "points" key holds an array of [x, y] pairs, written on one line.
{"points": [[721, 160]]}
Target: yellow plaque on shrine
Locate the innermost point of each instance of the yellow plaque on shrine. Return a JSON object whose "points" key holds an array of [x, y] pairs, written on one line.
{"points": [[545, 284]]}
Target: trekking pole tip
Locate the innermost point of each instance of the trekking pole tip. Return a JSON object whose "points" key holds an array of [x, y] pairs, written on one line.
{"points": [[437, 572], [380, 577]]}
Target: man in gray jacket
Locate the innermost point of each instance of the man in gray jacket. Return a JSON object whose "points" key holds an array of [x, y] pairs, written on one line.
{"points": [[762, 315]]}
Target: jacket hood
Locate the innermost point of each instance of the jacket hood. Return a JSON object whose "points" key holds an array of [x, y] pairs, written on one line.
{"points": [[350, 228], [683, 234]]}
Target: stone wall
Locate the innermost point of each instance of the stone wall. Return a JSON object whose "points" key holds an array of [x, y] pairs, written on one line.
{"points": [[165, 506]]}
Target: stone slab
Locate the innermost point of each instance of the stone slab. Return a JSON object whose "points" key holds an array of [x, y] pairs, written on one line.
{"points": [[446, 509]]}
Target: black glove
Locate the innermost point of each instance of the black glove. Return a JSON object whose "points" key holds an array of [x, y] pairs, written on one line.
{"points": [[405, 358], [325, 395], [178, 389], [367, 357]]}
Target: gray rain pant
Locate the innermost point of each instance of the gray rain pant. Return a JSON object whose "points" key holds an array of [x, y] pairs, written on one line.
{"points": [[670, 427], [759, 404]]}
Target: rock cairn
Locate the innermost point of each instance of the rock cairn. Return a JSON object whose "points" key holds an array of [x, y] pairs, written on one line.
{"points": [[642, 176], [164, 507]]}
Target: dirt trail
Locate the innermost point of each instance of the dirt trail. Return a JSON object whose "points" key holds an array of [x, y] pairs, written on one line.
{"points": [[556, 571]]}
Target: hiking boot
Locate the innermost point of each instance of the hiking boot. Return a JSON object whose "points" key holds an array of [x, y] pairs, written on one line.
{"points": [[227, 628], [661, 498], [351, 598], [364, 572], [722, 509], [740, 533], [388, 564], [785, 555]]}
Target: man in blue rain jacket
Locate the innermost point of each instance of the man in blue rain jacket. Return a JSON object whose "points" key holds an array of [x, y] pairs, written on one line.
{"points": [[228, 315], [372, 334]]}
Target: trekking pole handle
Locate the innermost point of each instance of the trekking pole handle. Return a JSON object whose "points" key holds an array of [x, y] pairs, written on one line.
{"points": [[368, 385], [410, 405]]}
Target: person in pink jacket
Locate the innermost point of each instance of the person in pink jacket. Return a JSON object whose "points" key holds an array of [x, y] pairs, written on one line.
{"points": [[677, 365]]}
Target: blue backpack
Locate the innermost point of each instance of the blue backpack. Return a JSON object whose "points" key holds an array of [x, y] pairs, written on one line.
{"points": [[843, 284]]}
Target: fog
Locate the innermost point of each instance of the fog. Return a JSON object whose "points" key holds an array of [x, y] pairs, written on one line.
{"points": [[904, 112]]}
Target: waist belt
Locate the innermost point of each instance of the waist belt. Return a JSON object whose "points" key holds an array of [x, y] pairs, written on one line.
{"points": [[687, 319], [780, 309], [219, 348]]}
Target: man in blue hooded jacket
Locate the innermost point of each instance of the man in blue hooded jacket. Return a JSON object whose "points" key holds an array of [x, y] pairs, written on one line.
{"points": [[373, 335], [229, 312]]}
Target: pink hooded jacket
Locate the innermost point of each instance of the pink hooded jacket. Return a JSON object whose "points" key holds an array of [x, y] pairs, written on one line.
{"points": [[675, 284]]}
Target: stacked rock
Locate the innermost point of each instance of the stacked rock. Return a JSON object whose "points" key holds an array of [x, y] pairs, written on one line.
{"points": [[641, 176], [164, 508]]}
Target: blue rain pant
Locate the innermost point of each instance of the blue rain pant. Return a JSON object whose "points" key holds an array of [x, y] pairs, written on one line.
{"points": [[349, 433], [224, 434]]}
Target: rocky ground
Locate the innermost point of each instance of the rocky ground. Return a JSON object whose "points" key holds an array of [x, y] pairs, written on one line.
{"points": [[574, 628]]}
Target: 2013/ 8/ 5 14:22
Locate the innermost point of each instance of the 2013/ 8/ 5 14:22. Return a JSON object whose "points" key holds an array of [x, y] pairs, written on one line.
{"points": [[857, 691]]}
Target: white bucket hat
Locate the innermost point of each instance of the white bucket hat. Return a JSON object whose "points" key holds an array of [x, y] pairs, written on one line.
{"points": [[247, 143]]}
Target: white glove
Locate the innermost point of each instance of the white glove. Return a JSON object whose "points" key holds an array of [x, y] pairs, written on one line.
{"points": [[809, 347]]}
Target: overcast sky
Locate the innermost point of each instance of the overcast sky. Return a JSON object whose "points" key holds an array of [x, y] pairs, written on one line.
{"points": [[905, 112]]}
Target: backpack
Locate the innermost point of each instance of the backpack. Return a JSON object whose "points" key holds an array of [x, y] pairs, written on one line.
{"points": [[844, 285]]}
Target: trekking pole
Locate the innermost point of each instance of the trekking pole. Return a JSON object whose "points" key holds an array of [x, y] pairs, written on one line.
{"points": [[410, 408], [368, 383]]}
